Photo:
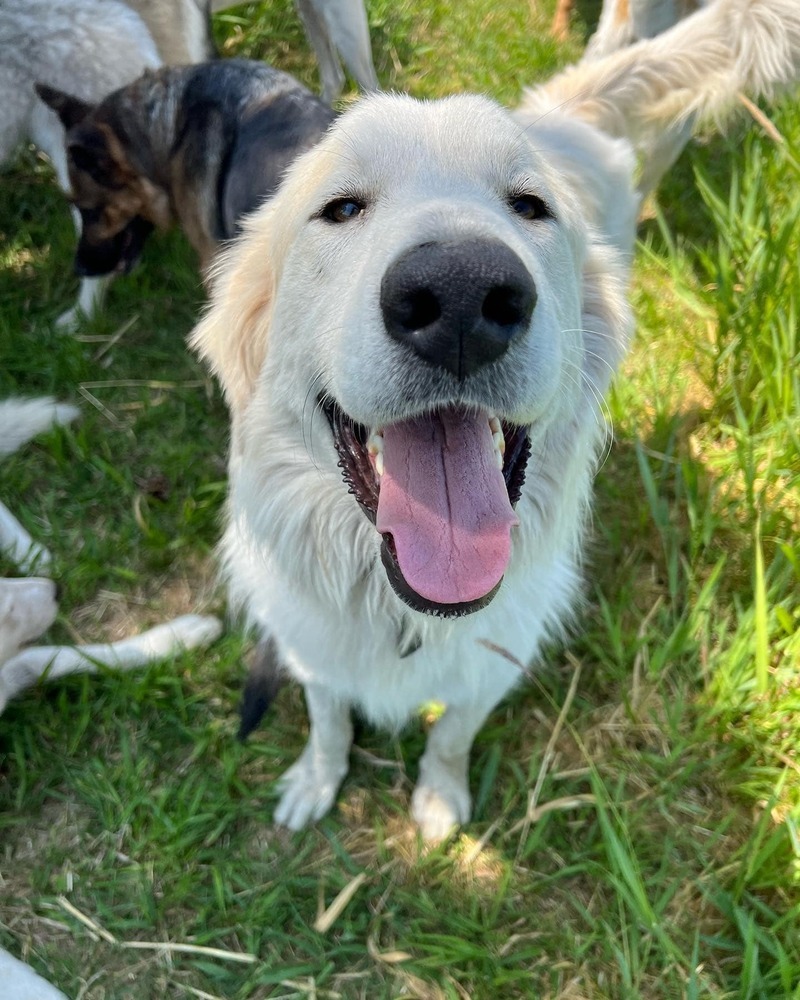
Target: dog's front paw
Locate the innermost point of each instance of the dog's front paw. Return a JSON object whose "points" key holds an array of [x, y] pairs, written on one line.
{"points": [[309, 789], [441, 801]]}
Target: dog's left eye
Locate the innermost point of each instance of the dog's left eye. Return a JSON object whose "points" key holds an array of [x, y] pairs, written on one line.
{"points": [[529, 206], [342, 210]]}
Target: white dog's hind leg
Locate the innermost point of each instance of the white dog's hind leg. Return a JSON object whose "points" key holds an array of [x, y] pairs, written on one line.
{"points": [[19, 547], [23, 419], [441, 800], [310, 785], [27, 667], [22, 983]]}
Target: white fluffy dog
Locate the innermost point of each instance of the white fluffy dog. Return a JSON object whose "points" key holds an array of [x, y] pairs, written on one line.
{"points": [[414, 337]]}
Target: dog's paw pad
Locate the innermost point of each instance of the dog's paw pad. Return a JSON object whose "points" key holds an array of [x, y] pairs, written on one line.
{"points": [[439, 811], [309, 791]]}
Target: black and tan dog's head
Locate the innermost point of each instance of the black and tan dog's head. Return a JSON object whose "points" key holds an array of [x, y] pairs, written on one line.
{"points": [[119, 206]]}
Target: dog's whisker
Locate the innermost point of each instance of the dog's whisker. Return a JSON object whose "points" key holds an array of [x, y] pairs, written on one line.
{"points": [[312, 395], [600, 407]]}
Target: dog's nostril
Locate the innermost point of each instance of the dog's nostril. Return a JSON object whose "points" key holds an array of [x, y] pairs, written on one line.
{"points": [[421, 309], [502, 306], [458, 304]]}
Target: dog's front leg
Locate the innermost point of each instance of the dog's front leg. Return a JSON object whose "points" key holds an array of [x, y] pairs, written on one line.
{"points": [[441, 799], [310, 785]]}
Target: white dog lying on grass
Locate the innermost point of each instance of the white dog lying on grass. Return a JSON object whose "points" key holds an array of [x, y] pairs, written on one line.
{"points": [[28, 604], [20, 982]]}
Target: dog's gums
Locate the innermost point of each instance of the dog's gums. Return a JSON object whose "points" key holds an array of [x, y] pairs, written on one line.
{"points": [[463, 550]]}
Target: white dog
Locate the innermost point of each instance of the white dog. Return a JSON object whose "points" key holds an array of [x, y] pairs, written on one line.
{"points": [[414, 337], [28, 605]]}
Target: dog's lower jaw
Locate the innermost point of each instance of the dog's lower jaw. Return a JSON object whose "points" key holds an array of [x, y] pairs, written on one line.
{"points": [[420, 604]]}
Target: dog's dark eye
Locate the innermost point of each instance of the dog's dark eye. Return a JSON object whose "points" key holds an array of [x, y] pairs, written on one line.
{"points": [[529, 206], [342, 210]]}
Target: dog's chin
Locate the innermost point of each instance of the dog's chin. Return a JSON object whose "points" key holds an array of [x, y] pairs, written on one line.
{"points": [[416, 601], [359, 464]]}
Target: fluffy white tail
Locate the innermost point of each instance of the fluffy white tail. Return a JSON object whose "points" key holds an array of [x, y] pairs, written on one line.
{"points": [[695, 69]]}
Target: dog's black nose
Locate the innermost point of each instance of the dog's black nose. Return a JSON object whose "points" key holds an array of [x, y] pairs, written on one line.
{"points": [[458, 304]]}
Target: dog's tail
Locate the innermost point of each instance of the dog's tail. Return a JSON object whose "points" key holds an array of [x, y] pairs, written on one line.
{"points": [[23, 419], [264, 680], [695, 70]]}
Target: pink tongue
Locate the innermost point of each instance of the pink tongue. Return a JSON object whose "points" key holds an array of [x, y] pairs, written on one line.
{"points": [[444, 502]]}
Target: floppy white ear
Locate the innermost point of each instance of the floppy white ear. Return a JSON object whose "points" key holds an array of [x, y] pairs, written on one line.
{"points": [[232, 335], [606, 314]]}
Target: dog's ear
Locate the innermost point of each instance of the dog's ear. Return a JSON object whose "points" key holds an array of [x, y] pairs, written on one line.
{"points": [[69, 109], [232, 336], [88, 150]]}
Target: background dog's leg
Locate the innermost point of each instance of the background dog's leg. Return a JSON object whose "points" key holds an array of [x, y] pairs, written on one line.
{"points": [[348, 30], [330, 71], [91, 294], [27, 667], [559, 27], [17, 544], [659, 156], [614, 30], [441, 799], [311, 783]]}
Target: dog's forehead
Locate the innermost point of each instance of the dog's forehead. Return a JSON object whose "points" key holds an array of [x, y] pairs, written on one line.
{"points": [[387, 135]]}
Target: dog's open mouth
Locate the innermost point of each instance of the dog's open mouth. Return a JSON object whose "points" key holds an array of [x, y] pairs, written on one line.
{"points": [[116, 255], [441, 491]]}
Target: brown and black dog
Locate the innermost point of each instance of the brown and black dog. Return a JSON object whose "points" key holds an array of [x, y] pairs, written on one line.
{"points": [[199, 145]]}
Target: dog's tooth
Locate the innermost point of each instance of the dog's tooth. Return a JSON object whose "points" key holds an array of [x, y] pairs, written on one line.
{"points": [[499, 443], [495, 425], [379, 463], [375, 443]]}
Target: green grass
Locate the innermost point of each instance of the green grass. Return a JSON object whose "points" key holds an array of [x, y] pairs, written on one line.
{"points": [[656, 856]]}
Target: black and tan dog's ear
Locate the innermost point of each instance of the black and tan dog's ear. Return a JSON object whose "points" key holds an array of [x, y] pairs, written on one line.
{"points": [[69, 109], [90, 150]]}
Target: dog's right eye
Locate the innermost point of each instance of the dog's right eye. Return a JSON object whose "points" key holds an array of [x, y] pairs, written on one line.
{"points": [[342, 210]]}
